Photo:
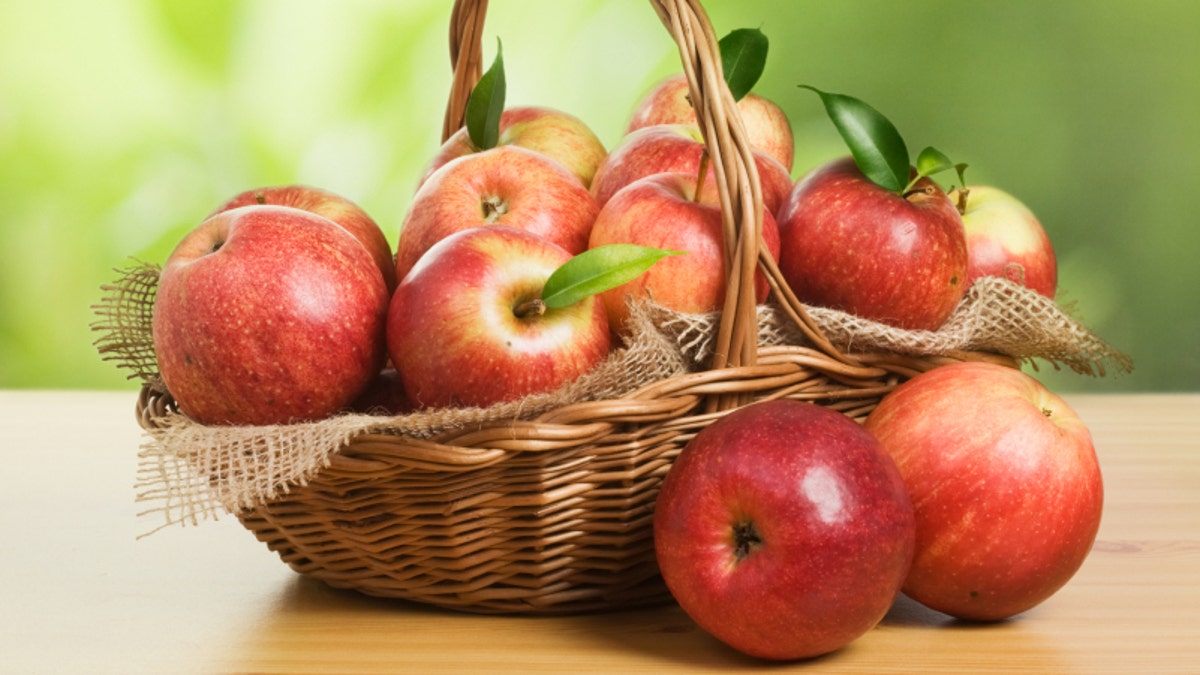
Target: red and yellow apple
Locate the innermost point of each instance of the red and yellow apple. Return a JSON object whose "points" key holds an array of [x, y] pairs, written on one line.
{"points": [[507, 185], [1005, 482], [560, 136], [663, 211], [466, 326], [849, 244], [767, 125], [333, 206], [668, 148], [268, 315], [1005, 239]]}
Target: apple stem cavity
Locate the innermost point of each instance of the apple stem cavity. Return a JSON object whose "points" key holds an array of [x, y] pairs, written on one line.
{"points": [[493, 208], [530, 309], [927, 190], [746, 540]]}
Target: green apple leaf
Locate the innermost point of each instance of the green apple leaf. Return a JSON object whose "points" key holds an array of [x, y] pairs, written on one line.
{"points": [[931, 161], [743, 59], [876, 145], [485, 105], [597, 270]]}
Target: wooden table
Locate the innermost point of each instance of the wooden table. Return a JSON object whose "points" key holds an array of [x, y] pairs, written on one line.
{"points": [[81, 594]]}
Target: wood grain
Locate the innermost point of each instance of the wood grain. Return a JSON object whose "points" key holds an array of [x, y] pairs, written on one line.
{"points": [[82, 594]]}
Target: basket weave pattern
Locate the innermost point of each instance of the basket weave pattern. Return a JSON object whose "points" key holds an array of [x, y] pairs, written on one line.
{"points": [[548, 508]]}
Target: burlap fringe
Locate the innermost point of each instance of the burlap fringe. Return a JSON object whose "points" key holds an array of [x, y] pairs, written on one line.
{"points": [[189, 472]]}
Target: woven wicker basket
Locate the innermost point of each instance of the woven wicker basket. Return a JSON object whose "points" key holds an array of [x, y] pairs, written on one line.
{"points": [[553, 514]]}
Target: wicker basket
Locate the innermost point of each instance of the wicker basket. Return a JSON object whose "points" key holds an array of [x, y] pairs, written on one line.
{"points": [[553, 514]]}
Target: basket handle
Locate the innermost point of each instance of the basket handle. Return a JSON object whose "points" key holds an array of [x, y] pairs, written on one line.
{"points": [[733, 166], [466, 60]]}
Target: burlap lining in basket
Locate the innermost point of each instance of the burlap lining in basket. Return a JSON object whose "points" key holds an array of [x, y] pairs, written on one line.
{"points": [[188, 472]]}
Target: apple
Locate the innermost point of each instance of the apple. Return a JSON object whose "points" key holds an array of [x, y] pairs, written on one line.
{"points": [[767, 126], [664, 211], [849, 244], [556, 134], [333, 206], [1005, 239], [466, 327], [507, 185], [665, 148], [1005, 483], [268, 315], [784, 530]]}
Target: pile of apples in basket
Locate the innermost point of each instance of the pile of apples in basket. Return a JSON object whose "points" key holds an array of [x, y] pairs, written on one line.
{"points": [[784, 529]]}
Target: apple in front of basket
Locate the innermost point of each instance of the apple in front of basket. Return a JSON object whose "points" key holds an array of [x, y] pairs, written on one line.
{"points": [[1005, 484], [268, 315], [493, 314], [784, 530]]}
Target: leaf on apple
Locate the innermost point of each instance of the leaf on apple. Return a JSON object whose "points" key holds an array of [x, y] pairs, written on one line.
{"points": [[743, 59], [485, 105], [876, 145], [931, 161], [597, 270]]}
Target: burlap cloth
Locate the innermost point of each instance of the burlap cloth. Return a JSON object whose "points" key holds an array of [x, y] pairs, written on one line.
{"points": [[188, 472]]}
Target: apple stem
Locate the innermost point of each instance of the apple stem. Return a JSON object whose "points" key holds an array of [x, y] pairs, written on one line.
{"points": [[962, 199], [530, 308], [701, 174]]}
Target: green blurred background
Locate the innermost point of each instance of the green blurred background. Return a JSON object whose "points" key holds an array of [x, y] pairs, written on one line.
{"points": [[122, 123]]}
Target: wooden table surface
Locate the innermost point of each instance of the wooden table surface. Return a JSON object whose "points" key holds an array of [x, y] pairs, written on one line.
{"points": [[81, 594]]}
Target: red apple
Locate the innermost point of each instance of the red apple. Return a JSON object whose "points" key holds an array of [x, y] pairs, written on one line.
{"points": [[1005, 482], [556, 134], [506, 185], [849, 244], [334, 207], [666, 148], [660, 211], [268, 315], [465, 329], [1005, 239], [784, 530], [767, 126]]}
